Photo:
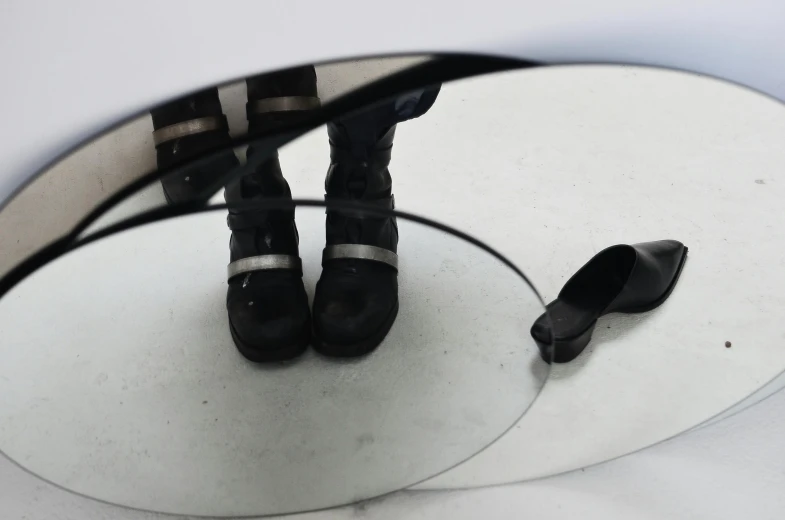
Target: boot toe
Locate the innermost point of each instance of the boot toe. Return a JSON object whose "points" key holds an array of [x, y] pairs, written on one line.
{"points": [[269, 322], [353, 311]]}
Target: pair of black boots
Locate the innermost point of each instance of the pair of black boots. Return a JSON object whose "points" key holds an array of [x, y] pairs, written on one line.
{"points": [[356, 299]]}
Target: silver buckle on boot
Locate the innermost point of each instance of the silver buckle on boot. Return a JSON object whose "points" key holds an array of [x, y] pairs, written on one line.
{"points": [[361, 252], [284, 104], [263, 263], [190, 127]]}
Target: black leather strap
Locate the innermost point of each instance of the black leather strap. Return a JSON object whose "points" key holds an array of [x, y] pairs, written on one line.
{"points": [[248, 219], [383, 203], [348, 160]]}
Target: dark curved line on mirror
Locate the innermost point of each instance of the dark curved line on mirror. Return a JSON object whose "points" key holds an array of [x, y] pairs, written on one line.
{"points": [[64, 246]]}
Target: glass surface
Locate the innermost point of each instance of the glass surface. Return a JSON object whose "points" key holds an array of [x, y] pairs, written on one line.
{"points": [[119, 378], [551, 166]]}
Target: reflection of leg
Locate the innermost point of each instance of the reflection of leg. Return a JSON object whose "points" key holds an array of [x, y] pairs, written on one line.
{"points": [[356, 299], [186, 128], [266, 301]]}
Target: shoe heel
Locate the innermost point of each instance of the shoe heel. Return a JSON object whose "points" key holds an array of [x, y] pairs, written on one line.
{"points": [[565, 350]]}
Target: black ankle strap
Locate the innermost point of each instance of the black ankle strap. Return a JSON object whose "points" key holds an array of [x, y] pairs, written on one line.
{"points": [[281, 104], [348, 160], [382, 203], [254, 219]]}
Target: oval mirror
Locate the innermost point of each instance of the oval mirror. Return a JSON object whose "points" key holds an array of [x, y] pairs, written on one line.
{"points": [[149, 400]]}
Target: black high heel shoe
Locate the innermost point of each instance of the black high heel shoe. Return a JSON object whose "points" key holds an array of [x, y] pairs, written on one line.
{"points": [[621, 278]]}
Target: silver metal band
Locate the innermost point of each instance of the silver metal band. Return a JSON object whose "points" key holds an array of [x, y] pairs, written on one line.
{"points": [[283, 104], [262, 263], [193, 126], [361, 252]]}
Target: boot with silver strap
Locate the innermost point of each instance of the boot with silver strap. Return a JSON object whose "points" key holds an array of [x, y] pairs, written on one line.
{"points": [[185, 128], [356, 300], [269, 315]]}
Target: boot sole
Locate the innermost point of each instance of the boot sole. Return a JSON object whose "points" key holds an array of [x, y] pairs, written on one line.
{"points": [[258, 355], [360, 348]]}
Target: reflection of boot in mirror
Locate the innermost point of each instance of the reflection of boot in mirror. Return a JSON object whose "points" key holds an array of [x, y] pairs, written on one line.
{"points": [[267, 304], [356, 299], [187, 128]]}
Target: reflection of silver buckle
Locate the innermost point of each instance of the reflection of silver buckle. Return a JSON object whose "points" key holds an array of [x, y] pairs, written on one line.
{"points": [[193, 126], [262, 263], [284, 104], [360, 252]]}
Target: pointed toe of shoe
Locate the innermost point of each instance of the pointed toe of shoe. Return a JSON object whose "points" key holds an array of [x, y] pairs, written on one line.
{"points": [[657, 268]]}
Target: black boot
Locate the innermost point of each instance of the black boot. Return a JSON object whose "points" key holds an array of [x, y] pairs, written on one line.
{"points": [[187, 128], [356, 299], [267, 304]]}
